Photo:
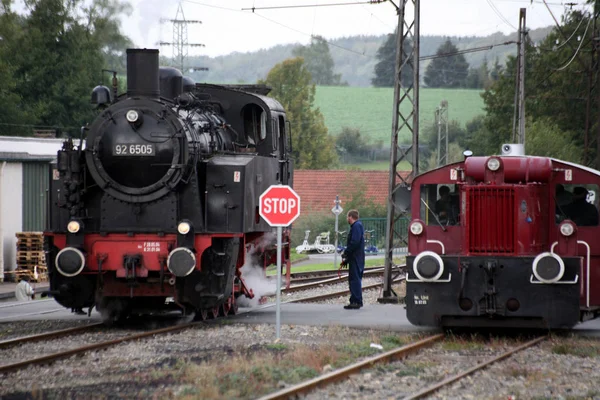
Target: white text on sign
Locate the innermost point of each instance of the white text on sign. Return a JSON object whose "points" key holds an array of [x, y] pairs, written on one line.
{"points": [[279, 206]]}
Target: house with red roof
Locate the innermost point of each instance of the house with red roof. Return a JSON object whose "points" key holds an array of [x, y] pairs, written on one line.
{"points": [[317, 188]]}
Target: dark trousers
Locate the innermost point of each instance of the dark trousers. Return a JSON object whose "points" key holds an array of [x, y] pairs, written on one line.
{"points": [[355, 275]]}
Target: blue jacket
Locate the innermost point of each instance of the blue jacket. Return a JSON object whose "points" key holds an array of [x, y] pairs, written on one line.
{"points": [[355, 245]]}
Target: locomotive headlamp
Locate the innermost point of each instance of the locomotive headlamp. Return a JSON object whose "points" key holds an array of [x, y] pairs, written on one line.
{"points": [[183, 228], [132, 116], [416, 228], [73, 226], [567, 229], [493, 164]]}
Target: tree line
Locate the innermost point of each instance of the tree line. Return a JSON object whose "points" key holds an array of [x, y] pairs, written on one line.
{"points": [[54, 54], [51, 58]]}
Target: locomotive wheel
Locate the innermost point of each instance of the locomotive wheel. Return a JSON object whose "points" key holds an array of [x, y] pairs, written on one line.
{"points": [[229, 307], [214, 312], [201, 315], [224, 309]]}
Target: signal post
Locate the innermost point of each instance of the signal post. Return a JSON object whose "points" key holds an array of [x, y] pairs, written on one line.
{"points": [[279, 206]]}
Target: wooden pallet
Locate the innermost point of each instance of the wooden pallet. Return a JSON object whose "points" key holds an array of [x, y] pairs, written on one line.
{"points": [[37, 255], [30, 247], [38, 274], [28, 235]]}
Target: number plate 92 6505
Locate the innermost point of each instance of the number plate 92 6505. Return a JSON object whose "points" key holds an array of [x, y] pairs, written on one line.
{"points": [[133, 150]]}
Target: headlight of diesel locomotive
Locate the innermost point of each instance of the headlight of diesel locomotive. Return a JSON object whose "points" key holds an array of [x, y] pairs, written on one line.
{"points": [[416, 228], [73, 226], [567, 229], [132, 116], [493, 164], [183, 228]]}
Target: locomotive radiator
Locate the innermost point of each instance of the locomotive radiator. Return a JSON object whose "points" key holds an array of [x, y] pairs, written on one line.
{"points": [[490, 220]]}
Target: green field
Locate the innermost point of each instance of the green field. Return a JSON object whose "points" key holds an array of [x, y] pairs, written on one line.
{"points": [[370, 109]]}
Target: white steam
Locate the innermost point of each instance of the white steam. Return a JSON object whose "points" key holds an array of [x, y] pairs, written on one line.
{"points": [[254, 275]]}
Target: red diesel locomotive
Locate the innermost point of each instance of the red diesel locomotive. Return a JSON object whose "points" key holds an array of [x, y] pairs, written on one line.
{"points": [[159, 208], [504, 241]]}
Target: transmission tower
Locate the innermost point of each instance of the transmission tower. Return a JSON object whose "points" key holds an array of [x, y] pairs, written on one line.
{"points": [[408, 120], [441, 121], [180, 42]]}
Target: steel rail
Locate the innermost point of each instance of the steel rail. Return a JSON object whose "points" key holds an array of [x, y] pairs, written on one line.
{"points": [[323, 272], [340, 293], [326, 379], [439, 385], [377, 271], [48, 335], [96, 346]]}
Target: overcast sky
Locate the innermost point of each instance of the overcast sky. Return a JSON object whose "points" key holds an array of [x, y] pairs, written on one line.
{"points": [[226, 28]]}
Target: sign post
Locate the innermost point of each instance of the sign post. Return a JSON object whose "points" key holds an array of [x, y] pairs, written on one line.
{"points": [[279, 206], [336, 210]]}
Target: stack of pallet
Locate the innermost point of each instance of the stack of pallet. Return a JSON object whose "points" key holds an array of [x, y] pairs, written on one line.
{"points": [[31, 260]]}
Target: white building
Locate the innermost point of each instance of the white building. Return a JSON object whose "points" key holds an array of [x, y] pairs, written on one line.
{"points": [[24, 185]]}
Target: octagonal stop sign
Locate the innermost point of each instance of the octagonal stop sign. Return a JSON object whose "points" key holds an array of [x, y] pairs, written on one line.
{"points": [[279, 205]]}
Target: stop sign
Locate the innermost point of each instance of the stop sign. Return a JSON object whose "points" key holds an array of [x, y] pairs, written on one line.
{"points": [[279, 205]]}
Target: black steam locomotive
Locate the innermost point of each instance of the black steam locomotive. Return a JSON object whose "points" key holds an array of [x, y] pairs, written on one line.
{"points": [[159, 207]]}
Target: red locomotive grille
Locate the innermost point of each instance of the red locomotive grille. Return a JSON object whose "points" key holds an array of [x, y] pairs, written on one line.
{"points": [[490, 220]]}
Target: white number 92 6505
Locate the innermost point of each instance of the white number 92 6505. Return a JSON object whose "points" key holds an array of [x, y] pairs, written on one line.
{"points": [[133, 150]]}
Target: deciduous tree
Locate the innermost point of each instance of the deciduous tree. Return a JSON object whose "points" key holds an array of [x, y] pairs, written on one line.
{"points": [[13, 116], [312, 147], [319, 62]]}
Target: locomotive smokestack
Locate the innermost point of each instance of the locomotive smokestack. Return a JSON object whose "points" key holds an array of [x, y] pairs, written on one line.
{"points": [[142, 73]]}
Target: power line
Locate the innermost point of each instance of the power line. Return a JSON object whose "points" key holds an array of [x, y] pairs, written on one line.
{"points": [[466, 51], [314, 5], [309, 35], [576, 51], [499, 14]]}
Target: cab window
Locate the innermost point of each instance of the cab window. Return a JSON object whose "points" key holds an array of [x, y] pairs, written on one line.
{"points": [[440, 204], [255, 123], [577, 202]]}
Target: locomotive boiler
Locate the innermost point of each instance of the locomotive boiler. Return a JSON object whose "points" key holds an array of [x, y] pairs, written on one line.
{"points": [[158, 207], [504, 241]]}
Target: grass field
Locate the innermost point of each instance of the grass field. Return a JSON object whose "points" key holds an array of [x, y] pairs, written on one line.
{"points": [[370, 109]]}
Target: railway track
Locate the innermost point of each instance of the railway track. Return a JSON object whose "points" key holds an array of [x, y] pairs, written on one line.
{"points": [[48, 335], [401, 352], [83, 349], [333, 295], [345, 372]]}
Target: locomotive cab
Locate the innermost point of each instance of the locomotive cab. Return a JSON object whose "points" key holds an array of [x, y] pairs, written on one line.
{"points": [[491, 243]]}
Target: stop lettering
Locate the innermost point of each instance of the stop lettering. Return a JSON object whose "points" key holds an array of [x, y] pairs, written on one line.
{"points": [[279, 205]]}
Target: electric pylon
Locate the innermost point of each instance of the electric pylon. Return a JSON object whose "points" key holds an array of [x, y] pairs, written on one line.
{"points": [[180, 42]]}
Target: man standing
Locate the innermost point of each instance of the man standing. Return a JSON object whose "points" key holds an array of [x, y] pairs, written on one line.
{"points": [[354, 257]]}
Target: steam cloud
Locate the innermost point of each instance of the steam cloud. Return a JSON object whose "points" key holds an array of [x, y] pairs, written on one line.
{"points": [[254, 275]]}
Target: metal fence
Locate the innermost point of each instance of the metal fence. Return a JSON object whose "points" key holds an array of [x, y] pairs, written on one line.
{"points": [[378, 227]]}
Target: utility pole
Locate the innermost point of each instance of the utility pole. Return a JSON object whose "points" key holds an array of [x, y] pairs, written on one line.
{"points": [[441, 121], [408, 28], [519, 113], [180, 42]]}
